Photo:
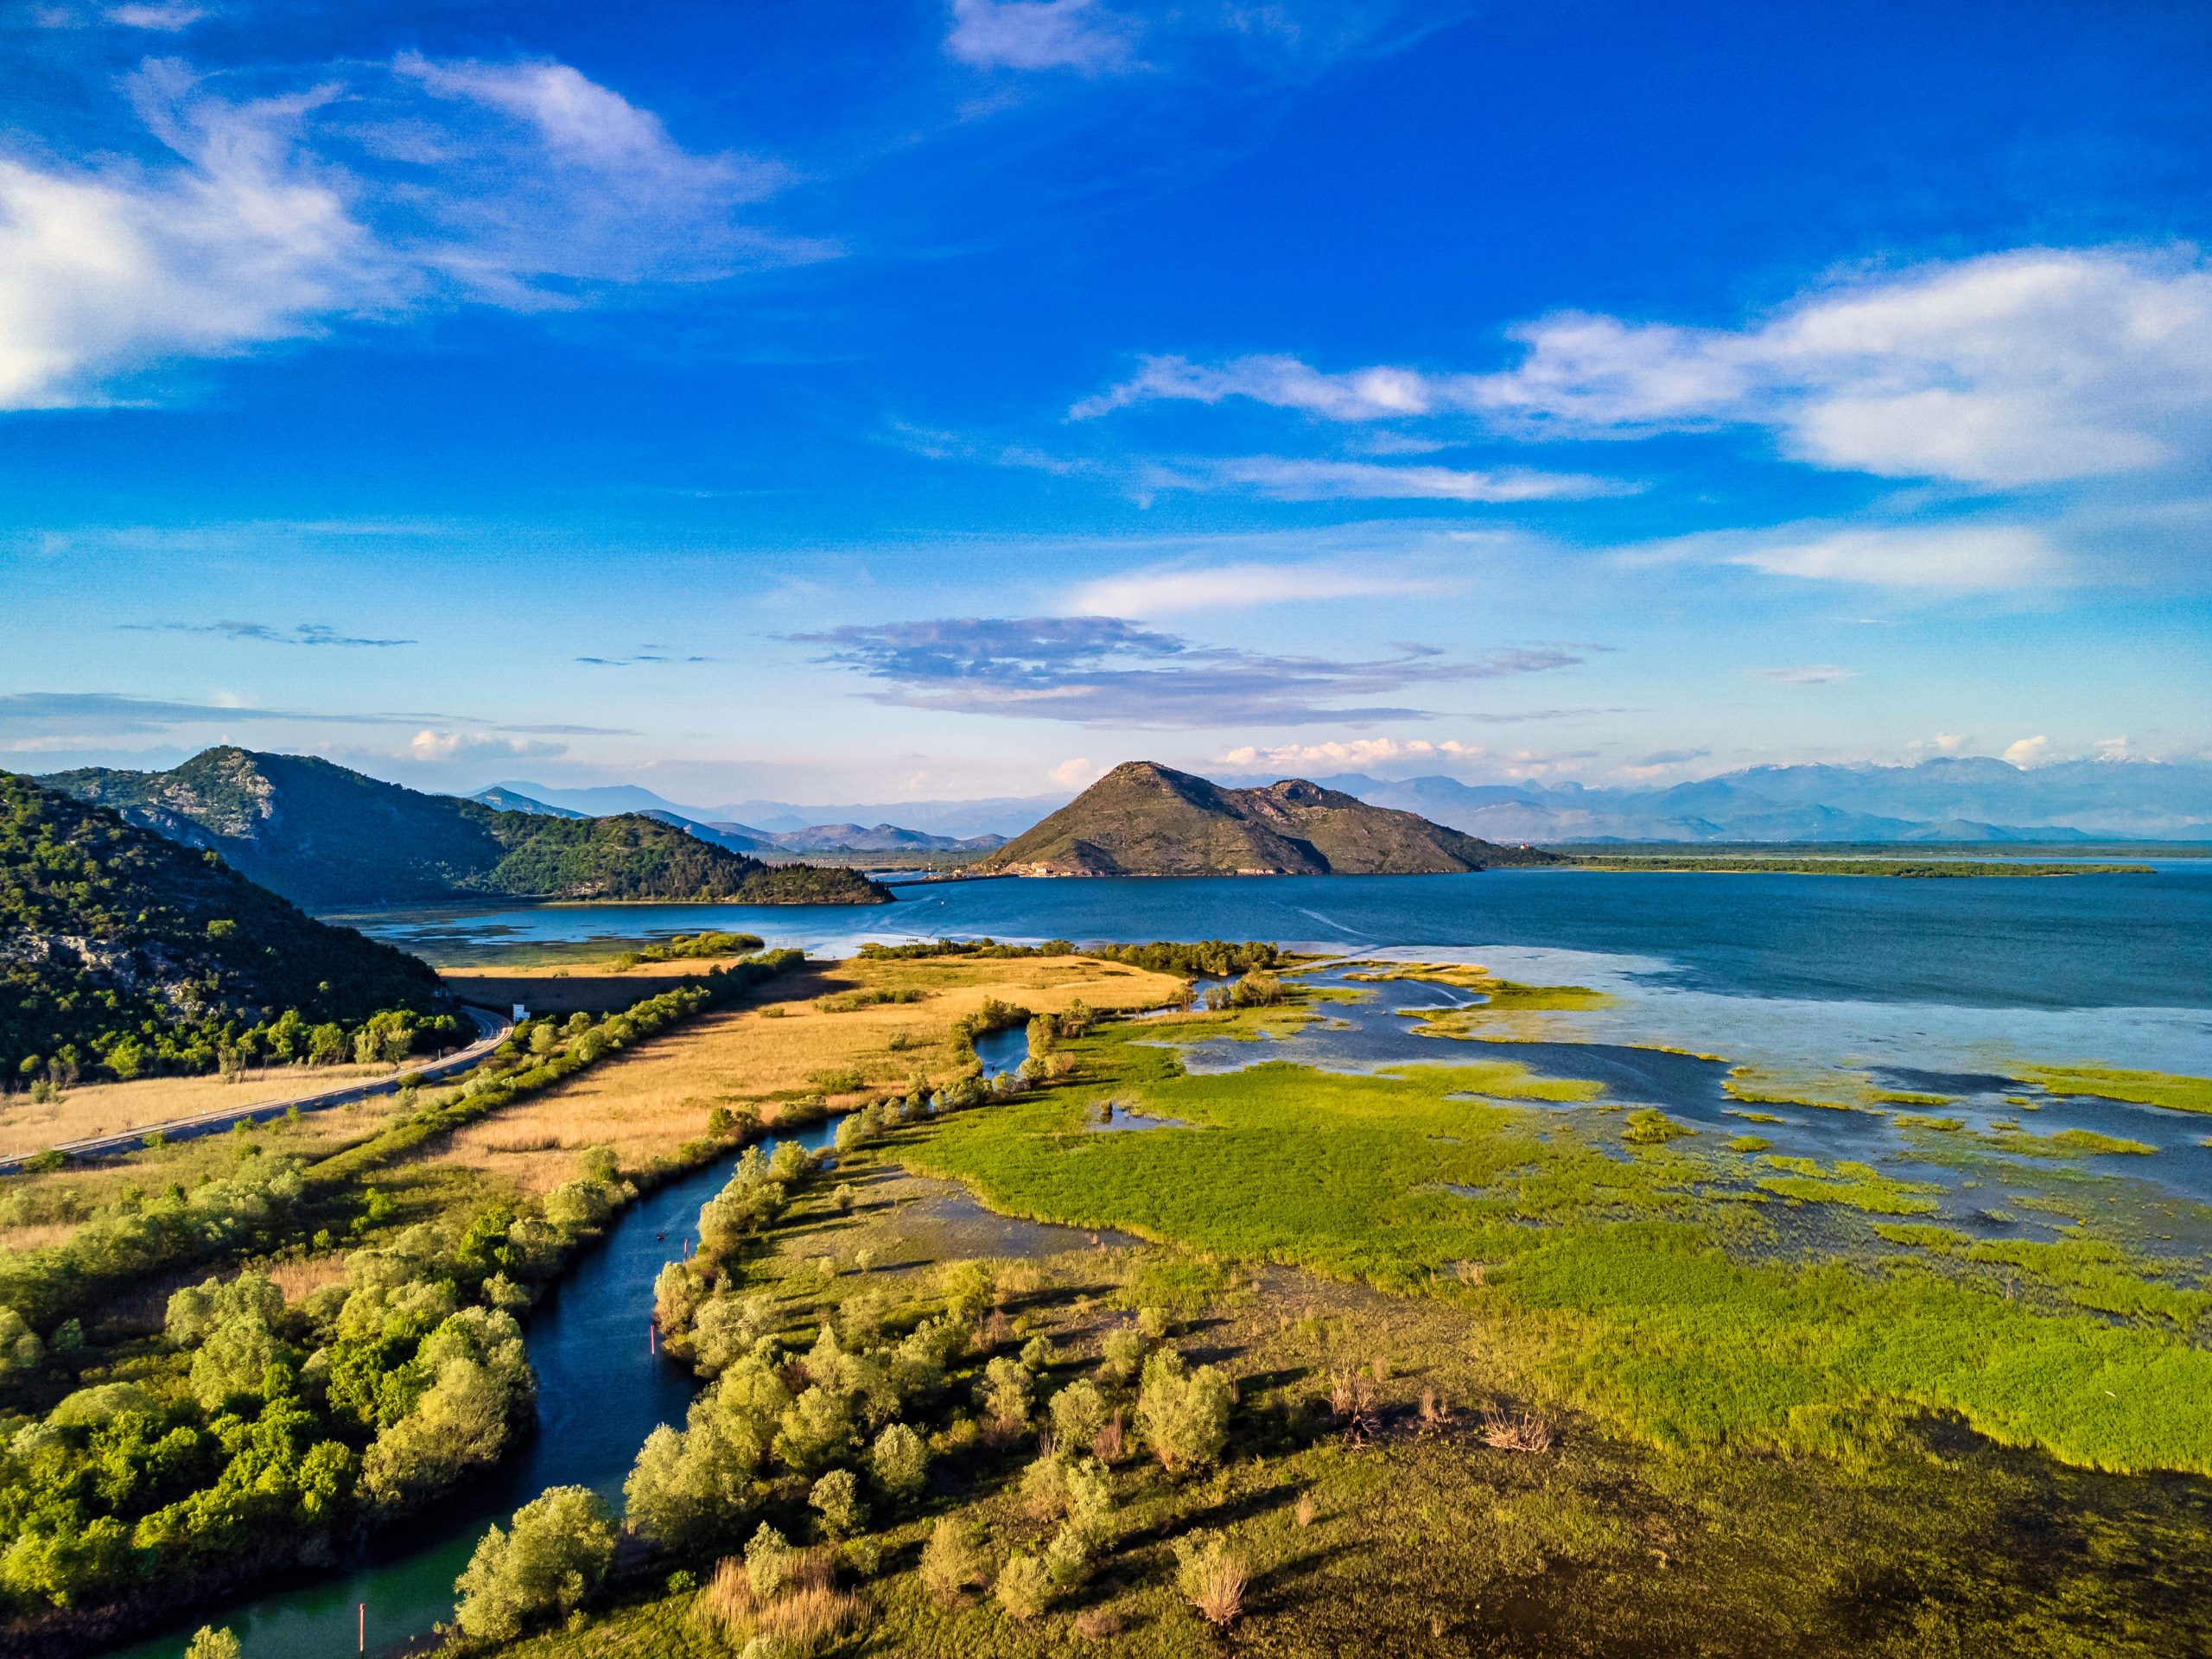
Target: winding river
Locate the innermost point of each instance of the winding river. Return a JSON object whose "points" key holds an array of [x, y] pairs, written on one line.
{"points": [[599, 1393]]}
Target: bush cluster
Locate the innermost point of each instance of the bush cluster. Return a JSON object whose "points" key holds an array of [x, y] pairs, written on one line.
{"points": [[263, 1433]]}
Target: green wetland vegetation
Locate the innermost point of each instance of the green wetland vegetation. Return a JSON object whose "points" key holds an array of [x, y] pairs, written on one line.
{"points": [[1445, 1356]]}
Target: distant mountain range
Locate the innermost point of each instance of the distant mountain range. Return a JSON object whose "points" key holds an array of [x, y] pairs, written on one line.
{"points": [[1967, 798], [747, 839], [939, 824], [1146, 819], [328, 838]]}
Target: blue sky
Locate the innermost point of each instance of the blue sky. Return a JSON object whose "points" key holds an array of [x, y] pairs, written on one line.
{"points": [[844, 402]]}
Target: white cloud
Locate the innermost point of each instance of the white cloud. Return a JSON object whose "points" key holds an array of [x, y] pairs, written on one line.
{"points": [[1954, 557], [166, 19], [2024, 367], [1078, 773], [244, 243], [368, 195], [1803, 674], [1169, 591], [435, 747], [1289, 479], [1354, 751], [1361, 395], [1075, 35], [2029, 751]]}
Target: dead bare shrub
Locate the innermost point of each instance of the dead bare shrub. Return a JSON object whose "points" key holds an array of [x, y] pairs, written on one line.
{"points": [[1516, 1431], [1211, 1577], [1434, 1413], [1106, 1445], [1306, 1508], [807, 1614], [1097, 1624], [1352, 1403]]}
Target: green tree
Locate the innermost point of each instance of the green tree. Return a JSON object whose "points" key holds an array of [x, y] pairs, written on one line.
{"points": [[208, 1643], [900, 1460], [555, 1555]]}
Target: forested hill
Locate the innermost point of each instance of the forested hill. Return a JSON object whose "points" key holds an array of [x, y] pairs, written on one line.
{"points": [[125, 953], [326, 838], [1146, 819]]}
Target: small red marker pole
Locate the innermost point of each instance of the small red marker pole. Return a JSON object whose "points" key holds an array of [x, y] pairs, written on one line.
{"points": [[653, 1338], [362, 1621]]}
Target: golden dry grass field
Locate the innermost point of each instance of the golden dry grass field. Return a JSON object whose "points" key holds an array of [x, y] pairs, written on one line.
{"points": [[112, 1108], [591, 987], [756, 1059]]}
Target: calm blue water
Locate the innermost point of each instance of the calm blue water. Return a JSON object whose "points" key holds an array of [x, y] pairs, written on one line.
{"points": [[2142, 941]]}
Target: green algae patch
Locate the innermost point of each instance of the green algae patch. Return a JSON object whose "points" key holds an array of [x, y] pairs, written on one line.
{"points": [[1499, 995], [1649, 1127], [2066, 1143], [1651, 1297], [1831, 1091], [1749, 1143], [2167, 1090], [1856, 1186]]}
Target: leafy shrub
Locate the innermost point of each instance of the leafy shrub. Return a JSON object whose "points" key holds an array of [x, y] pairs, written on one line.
{"points": [[1025, 1587], [836, 1499], [899, 1461], [557, 1554], [1006, 1394], [1123, 1349], [951, 1561], [1078, 1412], [1183, 1413]]}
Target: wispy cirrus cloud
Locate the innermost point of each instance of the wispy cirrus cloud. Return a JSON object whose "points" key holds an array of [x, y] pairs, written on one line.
{"points": [[1286, 478], [300, 633], [365, 195], [1803, 674], [29, 717], [2030, 366], [1077, 34], [1108, 671], [642, 659], [1242, 585], [1937, 558]]}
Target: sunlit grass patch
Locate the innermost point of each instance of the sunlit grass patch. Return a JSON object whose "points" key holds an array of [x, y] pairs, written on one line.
{"points": [[2171, 1090], [1630, 1300], [1857, 1186]]}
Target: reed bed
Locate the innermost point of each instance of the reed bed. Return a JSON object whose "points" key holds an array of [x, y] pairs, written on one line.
{"points": [[763, 1061]]}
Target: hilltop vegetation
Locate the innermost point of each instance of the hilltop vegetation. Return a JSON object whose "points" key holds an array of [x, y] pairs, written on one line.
{"points": [[326, 838], [1146, 819], [123, 953]]}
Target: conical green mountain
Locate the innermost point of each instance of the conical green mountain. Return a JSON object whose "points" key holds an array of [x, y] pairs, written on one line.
{"points": [[1143, 818]]}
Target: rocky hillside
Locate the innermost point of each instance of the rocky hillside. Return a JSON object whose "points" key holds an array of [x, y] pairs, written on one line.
{"points": [[1146, 819], [329, 839], [122, 952]]}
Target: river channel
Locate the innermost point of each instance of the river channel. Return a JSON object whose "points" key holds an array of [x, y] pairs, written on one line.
{"points": [[600, 1391]]}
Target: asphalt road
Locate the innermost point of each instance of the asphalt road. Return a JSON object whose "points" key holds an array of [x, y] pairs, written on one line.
{"points": [[493, 1030]]}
